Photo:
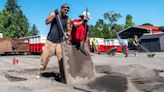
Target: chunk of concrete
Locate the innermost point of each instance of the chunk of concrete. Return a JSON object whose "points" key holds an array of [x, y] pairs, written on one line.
{"points": [[78, 67]]}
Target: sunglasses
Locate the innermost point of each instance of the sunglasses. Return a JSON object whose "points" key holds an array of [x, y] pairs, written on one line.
{"points": [[66, 10]]}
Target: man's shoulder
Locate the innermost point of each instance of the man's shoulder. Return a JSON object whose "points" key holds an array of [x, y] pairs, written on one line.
{"points": [[68, 19], [76, 20]]}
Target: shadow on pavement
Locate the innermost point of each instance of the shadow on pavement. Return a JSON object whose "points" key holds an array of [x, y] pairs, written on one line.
{"points": [[109, 83], [14, 78], [54, 76]]}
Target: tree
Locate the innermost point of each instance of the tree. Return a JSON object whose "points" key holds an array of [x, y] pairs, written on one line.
{"points": [[34, 30], [13, 22], [100, 30], [129, 22], [12, 7], [100, 24], [90, 33], [147, 24], [96, 30], [5, 21], [112, 18], [106, 30], [106, 33], [116, 28], [21, 24]]}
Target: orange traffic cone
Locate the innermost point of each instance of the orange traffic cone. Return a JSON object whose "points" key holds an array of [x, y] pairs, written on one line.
{"points": [[15, 61]]}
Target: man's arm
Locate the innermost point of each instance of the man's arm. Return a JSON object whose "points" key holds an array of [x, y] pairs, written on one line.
{"points": [[82, 21], [97, 42], [50, 18], [76, 24], [69, 28]]}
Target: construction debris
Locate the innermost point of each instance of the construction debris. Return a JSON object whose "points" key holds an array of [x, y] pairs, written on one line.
{"points": [[77, 66]]}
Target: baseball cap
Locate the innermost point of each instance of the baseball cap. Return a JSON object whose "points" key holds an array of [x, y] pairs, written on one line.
{"points": [[65, 6], [85, 14]]}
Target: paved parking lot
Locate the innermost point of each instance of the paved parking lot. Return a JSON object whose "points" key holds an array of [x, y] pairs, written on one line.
{"points": [[137, 73]]}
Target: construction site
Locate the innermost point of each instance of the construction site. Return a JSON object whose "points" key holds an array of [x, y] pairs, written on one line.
{"points": [[78, 47], [108, 70], [112, 67]]}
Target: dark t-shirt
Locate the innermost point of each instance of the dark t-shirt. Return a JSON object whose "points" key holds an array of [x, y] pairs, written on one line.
{"points": [[55, 35]]}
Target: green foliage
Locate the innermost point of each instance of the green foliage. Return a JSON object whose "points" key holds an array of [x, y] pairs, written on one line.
{"points": [[5, 21], [98, 29], [12, 7], [147, 24], [116, 28], [34, 30], [129, 22], [111, 18], [101, 30], [106, 30], [13, 23], [97, 33], [100, 24]]}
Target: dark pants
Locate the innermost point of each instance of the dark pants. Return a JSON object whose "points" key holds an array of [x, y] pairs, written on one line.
{"points": [[112, 51], [95, 48], [124, 50]]}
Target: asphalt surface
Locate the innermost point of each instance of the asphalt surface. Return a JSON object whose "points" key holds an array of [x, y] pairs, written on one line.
{"points": [[113, 74]]}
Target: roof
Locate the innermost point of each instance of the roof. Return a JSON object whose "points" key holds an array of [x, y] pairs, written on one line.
{"points": [[152, 36], [139, 31], [161, 28], [130, 32], [153, 29], [149, 27]]}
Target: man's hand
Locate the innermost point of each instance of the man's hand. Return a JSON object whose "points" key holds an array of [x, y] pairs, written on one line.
{"points": [[67, 36], [86, 18], [50, 18]]}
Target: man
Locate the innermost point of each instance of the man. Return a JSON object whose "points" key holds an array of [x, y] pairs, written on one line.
{"points": [[136, 45], [54, 38], [112, 51], [123, 44], [79, 33], [95, 45]]}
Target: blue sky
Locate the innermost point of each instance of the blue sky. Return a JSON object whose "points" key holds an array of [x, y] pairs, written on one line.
{"points": [[142, 10]]}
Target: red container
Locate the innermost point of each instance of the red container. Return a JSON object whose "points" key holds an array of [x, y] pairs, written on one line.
{"points": [[106, 44], [37, 44], [9, 45]]}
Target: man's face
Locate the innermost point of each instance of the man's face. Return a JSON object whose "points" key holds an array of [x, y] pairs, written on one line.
{"points": [[65, 10], [85, 18]]}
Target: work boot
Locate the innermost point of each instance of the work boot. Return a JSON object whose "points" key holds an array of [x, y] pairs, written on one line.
{"points": [[126, 55], [38, 74], [135, 54], [62, 79]]}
